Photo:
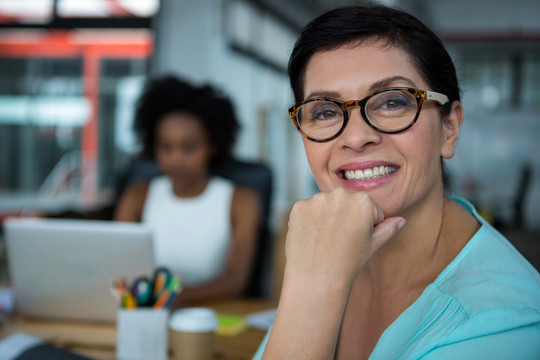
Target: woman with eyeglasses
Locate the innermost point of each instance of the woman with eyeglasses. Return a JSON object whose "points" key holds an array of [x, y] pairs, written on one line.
{"points": [[382, 264]]}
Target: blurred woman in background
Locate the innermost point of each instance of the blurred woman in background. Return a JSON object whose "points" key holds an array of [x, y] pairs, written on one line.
{"points": [[204, 226]]}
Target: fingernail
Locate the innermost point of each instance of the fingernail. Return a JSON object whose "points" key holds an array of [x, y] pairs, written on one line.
{"points": [[401, 223]]}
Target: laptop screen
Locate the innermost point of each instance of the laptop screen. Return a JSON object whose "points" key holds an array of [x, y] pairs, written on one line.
{"points": [[63, 268]]}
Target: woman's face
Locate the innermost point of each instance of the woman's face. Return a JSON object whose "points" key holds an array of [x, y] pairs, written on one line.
{"points": [[182, 147], [351, 73]]}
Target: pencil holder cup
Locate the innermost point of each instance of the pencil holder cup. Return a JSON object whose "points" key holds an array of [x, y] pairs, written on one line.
{"points": [[192, 333], [142, 334]]}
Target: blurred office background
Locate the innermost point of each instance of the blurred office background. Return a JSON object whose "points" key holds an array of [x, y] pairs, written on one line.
{"points": [[71, 70]]}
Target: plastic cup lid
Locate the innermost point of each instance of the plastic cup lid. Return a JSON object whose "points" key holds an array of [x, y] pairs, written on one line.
{"points": [[194, 320]]}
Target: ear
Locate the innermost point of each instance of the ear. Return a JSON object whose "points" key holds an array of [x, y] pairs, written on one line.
{"points": [[451, 126]]}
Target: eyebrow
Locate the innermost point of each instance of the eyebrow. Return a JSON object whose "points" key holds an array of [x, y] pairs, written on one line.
{"points": [[381, 84], [388, 82], [323, 93]]}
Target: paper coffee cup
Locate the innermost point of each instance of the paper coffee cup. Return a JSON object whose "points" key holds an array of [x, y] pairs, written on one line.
{"points": [[192, 335]]}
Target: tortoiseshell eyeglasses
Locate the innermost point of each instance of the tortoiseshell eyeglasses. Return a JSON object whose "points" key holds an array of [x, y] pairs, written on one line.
{"points": [[389, 111]]}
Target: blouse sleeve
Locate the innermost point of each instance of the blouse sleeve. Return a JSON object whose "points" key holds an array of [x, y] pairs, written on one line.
{"points": [[489, 338]]}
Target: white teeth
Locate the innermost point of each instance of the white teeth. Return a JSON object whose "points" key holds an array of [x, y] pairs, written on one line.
{"points": [[368, 174]]}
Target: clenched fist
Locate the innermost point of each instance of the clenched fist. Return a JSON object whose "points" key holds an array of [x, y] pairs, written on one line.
{"points": [[333, 235]]}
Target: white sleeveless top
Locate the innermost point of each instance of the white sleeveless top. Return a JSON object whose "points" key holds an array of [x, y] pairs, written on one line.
{"points": [[191, 235]]}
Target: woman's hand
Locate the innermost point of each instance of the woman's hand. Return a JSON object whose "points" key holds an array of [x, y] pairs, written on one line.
{"points": [[333, 235], [331, 238]]}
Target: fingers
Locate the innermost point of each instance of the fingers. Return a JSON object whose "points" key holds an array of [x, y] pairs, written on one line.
{"points": [[379, 214], [335, 234], [385, 230]]}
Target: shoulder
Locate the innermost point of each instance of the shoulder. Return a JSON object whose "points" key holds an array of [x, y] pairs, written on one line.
{"points": [[509, 331], [220, 185], [490, 273], [245, 199], [446, 325], [137, 191], [240, 194], [492, 335], [245, 205], [450, 326], [497, 289], [245, 193], [496, 292], [132, 202], [485, 302]]}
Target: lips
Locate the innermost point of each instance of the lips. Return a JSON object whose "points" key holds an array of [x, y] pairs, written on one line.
{"points": [[177, 172]]}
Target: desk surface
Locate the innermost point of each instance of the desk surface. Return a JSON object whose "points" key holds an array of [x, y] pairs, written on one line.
{"points": [[98, 340]]}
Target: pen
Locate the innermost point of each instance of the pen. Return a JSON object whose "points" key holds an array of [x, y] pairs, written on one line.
{"points": [[121, 286], [158, 293], [162, 299], [128, 301], [175, 290], [167, 296], [161, 279]]}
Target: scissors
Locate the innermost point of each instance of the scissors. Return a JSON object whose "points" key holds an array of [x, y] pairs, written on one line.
{"points": [[142, 291]]}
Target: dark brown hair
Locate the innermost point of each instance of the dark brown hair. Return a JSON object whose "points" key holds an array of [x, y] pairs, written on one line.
{"points": [[354, 25], [167, 94], [358, 24]]}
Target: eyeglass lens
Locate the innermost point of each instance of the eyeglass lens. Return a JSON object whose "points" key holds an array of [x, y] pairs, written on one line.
{"points": [[390, 111]]}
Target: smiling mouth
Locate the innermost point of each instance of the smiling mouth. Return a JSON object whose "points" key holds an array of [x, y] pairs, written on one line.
{"points": [[368, 174]]}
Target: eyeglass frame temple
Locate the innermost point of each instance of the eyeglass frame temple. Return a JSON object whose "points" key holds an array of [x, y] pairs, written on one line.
{"points": [[438, 97]]}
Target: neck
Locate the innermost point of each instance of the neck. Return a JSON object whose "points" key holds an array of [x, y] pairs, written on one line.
{"points": [[191, 188], [415, 255]]}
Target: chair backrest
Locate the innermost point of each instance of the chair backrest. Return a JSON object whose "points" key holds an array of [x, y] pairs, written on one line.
{"points": [[250, 174], [259, 178]]}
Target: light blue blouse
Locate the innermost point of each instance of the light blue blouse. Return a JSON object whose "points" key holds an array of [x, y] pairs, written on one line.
{"points": [[484, 305]]}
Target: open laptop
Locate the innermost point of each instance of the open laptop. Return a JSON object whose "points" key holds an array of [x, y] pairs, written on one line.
{"points": [[62, 269]]}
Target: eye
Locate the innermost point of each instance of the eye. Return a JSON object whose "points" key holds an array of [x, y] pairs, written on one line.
{"points": [[391, 101], [163, 147], [320, 111]]}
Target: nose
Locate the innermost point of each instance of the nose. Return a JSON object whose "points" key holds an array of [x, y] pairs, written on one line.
{"points": [[358, 134], [176, 155]]}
